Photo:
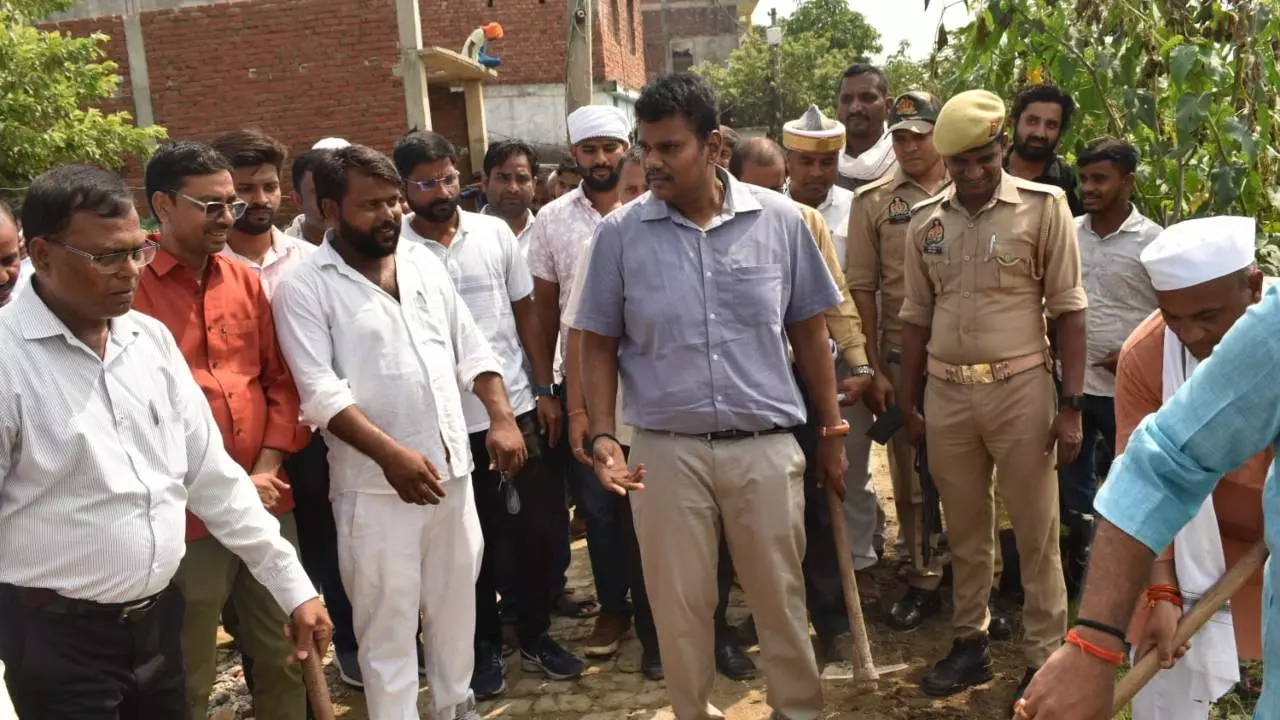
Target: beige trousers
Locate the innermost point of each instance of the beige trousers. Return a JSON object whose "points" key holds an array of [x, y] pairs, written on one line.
{"points": [[753, 490], [970, 428]]}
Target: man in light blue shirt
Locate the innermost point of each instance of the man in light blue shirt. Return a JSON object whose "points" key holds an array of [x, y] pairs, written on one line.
{"points": [[692, 292], [1227, 411]]}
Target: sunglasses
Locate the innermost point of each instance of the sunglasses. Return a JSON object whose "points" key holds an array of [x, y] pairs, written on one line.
{"points": [[214, 209]]}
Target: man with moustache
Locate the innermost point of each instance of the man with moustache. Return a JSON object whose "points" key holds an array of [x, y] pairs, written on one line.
{"points": [[488, 269], [219, 313], [877, 250], [599, 136], [861, 106], [98, 467], [1041, 114], [384, 347], [309, 224], [11, 260], [566, 177], [509, 168], [986, 259]]}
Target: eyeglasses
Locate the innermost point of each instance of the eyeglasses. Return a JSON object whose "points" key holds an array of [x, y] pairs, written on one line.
{"points": [[215, 208], [448, 178], [113, 262]]}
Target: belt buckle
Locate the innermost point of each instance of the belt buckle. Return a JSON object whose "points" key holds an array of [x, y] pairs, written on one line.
{"points": [[128, 612], [1000, 371]]}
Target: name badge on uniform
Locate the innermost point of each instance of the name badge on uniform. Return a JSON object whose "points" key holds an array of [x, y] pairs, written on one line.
{"points": [[933, 238], [899, 210]]}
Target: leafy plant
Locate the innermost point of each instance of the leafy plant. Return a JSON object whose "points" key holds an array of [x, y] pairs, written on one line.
{"points": [[49, 84], [1191, 84]]}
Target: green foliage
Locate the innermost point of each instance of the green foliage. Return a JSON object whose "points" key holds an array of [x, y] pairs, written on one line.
{"points": [[49, 82], [820, 40], [1191, 85]]}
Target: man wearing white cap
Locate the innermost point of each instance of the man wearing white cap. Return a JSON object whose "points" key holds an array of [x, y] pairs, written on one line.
{"points": [[599, 137], [1194, 473], [309, 224]]}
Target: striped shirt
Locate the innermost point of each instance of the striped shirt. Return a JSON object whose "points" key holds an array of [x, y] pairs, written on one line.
{"points": [[101, 457]]}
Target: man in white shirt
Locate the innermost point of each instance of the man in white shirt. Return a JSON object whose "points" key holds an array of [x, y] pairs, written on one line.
{"points": [[862, 104], [309, 224], [493, 280], [509, 168], [1112, 235], [99, 468], [256, 162], [382, 348]]}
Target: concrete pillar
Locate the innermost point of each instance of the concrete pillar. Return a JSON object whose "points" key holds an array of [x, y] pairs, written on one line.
{"points": [[139, 78], [417, 106]]}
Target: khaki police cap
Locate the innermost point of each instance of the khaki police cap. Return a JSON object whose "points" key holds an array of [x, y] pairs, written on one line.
{"points": [[968, 121]]}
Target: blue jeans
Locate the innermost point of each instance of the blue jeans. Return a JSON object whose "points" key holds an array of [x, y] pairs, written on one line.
{"points": [[602, 511], [1078, 482]]}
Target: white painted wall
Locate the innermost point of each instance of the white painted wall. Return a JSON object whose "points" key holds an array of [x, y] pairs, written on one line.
{"points": [[535, 113]]}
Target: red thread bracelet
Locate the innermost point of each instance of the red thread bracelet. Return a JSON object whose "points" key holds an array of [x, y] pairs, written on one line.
{"points": [[1111, 658], [1163, 593]]}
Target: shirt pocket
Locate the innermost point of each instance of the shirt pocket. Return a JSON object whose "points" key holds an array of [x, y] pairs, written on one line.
{"points": [[173, 439], [1015, 262], [241, 346], [755, 292]]}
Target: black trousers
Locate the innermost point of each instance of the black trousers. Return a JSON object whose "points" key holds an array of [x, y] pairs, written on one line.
{"points": [[93, 667], [642, 613], [530, 536]]}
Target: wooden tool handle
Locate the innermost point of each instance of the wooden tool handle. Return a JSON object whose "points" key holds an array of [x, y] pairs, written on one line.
{"points": [[1190, 624], [864, 669], [317, 688]]}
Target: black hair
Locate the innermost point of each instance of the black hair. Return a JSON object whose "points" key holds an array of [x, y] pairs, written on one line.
{"points": [[858, 68], [1109, 149], [1043, 94], [731, 137], [305, 163], [633, 155], [684, 94], [332, 171], [65, 190], [251, 148], [569, 165], [6, 211], [176, 161], [758, 151], [500, 152], [422, 146]]}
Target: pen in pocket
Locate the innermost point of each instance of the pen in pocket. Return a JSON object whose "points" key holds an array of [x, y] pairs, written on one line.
{"points": [[991, 246]]}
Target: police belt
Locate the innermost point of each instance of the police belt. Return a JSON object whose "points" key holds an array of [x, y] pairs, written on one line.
{"points": [[987, 373]]}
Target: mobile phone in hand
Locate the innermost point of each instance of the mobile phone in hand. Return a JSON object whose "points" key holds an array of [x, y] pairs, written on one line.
{"points": [[889, 422]]}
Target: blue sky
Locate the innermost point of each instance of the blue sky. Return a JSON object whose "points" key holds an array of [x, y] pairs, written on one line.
{"points": [[897, 20]]}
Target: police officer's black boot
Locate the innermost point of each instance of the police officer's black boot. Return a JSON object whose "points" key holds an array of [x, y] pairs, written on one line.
{"points": [[914, 608], [968, 664]]}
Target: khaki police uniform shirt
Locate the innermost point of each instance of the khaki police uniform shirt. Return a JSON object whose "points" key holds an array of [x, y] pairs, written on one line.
{"points": [[843, 321], [983, 283], [877, 241]]}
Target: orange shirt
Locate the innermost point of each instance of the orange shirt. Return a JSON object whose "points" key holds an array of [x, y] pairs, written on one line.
{"points": [[1237, 501], [228, 338]]}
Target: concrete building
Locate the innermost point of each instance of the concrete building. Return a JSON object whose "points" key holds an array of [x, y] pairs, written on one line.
{"points": [[680, 34]]}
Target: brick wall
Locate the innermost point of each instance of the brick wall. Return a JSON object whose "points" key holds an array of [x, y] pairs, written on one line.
{"points": [[685, 22], [618, 49]]}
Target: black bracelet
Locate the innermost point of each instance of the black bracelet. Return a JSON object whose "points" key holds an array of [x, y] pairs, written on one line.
{"points": [[1111, 630], [591, 448]]}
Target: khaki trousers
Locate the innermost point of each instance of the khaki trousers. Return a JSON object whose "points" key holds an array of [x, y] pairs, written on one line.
{"points": [[970, 428], [908, 497], [208, 577], [753, 490]]}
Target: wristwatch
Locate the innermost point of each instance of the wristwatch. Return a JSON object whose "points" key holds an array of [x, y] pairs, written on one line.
{"points": [[857, 370], [1075, 402], [840, 430], [544, 391]]}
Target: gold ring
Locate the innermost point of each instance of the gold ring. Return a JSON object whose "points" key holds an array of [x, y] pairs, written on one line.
{"points": [[1020, 708]]}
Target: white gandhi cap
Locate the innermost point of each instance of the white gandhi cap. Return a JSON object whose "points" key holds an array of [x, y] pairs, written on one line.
{"points": [[1197, 251], [330, 143]]}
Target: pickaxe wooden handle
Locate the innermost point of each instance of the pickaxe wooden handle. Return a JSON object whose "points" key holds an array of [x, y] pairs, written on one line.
{"points": [[1190, 624], [317, 688], [864, 669]]}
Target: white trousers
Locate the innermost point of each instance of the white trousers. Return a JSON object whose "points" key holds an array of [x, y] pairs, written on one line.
{"points": [[397, 560], [1169, 697], [6, 706], [861, 506]]}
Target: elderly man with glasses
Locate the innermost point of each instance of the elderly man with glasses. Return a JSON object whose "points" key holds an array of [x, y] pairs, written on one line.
{"points": [[218, 312]]}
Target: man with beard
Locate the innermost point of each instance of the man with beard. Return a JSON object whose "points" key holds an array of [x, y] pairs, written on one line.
{"points": [[986, 259], [10, 255], [219, 313], [509, 167], [861, 106], [384, 348], [877, 249], [599, 136], [1040, 115], [489, 271], [309, 224]]}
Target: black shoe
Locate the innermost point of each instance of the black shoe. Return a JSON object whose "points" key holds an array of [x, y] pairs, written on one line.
{"points": [[1022, 687], [968, 664], [1001, 626], [651, 665], [488, 678], [914, 608], [547, 657], [733, 663]]}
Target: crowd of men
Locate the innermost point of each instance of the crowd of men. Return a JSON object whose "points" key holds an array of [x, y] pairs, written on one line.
{"points": [[393, 403]]}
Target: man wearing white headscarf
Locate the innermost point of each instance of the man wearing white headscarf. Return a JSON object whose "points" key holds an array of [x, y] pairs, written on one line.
{"points": [[1168, 425]]}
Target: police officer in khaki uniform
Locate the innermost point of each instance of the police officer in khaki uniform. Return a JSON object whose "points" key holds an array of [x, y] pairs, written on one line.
{"points": [[985, 260], [877, 246]]}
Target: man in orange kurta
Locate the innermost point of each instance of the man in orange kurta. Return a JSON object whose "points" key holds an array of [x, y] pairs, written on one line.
{"points": [[1199, 310], [219, 315]]}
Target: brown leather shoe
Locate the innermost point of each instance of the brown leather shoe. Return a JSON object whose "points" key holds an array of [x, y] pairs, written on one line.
{"points": [[607, 635]]}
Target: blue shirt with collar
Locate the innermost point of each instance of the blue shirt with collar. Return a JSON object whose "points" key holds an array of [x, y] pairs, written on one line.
{"points": [[701, 314]]}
